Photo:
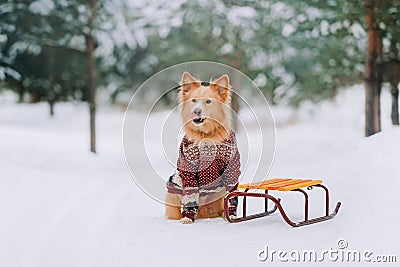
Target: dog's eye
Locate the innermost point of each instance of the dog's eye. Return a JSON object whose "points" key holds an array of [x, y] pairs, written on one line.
{"points": [[208, 101], [193, 100]]}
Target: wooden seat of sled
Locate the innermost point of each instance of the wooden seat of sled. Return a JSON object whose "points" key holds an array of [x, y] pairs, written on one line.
{"points": [[283, 185]]}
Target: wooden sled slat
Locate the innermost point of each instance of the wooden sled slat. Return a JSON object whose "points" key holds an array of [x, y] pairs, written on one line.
{"points": [[300, 185], [256, 185]]}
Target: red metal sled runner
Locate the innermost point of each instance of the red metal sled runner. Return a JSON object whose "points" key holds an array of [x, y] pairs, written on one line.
{"points": [[280, 184]]}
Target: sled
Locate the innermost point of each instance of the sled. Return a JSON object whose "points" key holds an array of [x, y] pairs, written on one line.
{"points": [[283, 185]]}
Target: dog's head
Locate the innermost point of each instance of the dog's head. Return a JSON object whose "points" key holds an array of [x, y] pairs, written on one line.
{"points": [[205, 109]]}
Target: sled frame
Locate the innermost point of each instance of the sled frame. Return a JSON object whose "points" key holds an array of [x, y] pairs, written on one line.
{"points": [[278, 206]]}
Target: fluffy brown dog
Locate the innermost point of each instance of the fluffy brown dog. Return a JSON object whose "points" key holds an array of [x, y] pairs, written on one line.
{"points": [[209, 162]]}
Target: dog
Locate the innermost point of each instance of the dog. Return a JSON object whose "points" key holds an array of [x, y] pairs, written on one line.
{"points": [[208, 165]]}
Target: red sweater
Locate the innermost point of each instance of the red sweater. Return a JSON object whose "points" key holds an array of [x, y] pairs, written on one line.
{"points": [[209, 167], [202, 169]]}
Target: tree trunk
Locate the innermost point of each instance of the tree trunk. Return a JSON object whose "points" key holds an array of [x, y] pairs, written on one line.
{"points": [[236, 83], [91, 77], [50, 92], [21, 92], [394, 80], [395, 104], [373, 76]]}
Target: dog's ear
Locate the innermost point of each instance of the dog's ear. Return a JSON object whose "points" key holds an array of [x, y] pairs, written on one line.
{"points": [[188, 83], [221, 86]]}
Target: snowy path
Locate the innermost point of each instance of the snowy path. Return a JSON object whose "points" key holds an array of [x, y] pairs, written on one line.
{"points": [[61, 206]]}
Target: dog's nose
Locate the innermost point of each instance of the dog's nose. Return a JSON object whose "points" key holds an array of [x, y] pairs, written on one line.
{"points": [[197, 111]]}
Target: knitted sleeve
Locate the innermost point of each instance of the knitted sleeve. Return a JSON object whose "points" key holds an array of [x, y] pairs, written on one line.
{"points": [[232, 171], [187, 167]]}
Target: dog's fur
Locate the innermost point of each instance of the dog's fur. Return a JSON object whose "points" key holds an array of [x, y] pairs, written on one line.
{"points": [[211, 206], [217, 125], [214, 129]]}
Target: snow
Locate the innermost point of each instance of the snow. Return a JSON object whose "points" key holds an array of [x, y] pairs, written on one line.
{"points": [[62, 206], [288, 29], [357, 30], [41, 7], [240, 14]]}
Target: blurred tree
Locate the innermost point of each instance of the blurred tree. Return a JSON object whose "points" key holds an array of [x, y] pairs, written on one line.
{"points": [[329, 40], [293, 50], [42, 39], [45, 46], [7, 28], [237, 34], [373, 76], [91, 72], [391, 73], [325, 44], [388, 13], [382, 64]]}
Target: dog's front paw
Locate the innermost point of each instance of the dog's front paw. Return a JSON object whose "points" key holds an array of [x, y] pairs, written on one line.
{"points": [[186, 220], [230, 217]]}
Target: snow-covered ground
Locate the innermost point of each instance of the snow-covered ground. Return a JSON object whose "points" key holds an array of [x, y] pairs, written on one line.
{"points": [[62, 206]]}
